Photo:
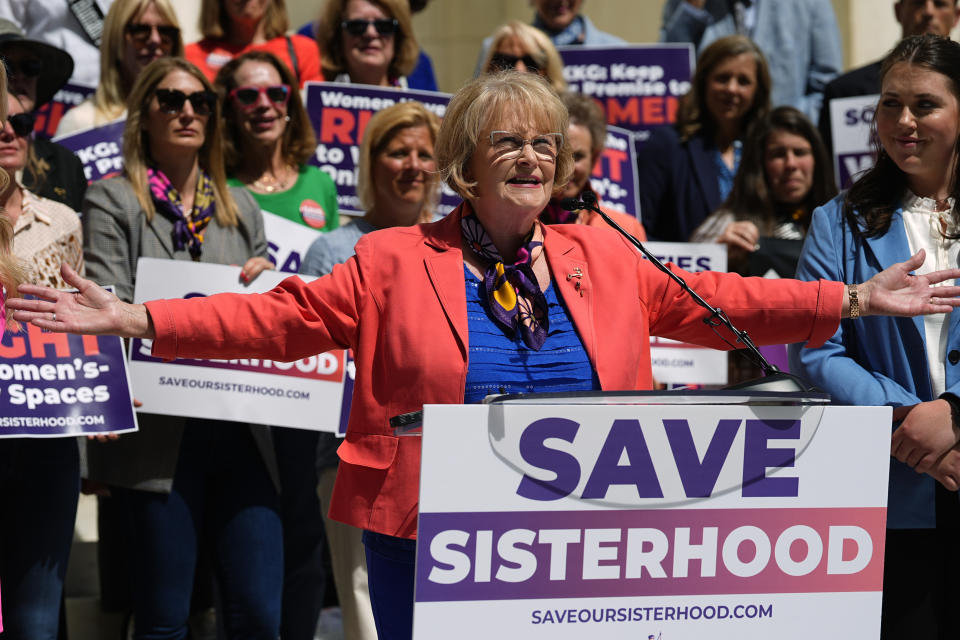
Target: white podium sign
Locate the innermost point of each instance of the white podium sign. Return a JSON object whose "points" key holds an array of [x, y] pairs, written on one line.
{"points": [[305, 394], [669, 521]]}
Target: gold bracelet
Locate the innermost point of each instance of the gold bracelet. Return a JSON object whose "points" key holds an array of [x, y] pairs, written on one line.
{"points": [[852, 293]]}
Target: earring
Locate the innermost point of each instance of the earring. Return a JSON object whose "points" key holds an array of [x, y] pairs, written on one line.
{"points": [[286, 118]]}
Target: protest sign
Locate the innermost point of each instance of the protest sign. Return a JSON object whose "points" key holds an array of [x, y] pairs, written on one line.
{"points": [[287, 241], [678, 362], [850, 123], [638, 86], [48, 115], [614, 177], [305, 394], [100, 149], [679, 522], [57, 385], [339, 114]]}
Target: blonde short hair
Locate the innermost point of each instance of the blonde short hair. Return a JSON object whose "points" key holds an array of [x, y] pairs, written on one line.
{"points": [[480, 105], [406, 51], [534, 43], [215, 23], [380, 131], [110, 98], [136, 145]]}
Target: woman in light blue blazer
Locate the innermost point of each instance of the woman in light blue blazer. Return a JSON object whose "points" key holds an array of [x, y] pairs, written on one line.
{"points": [[905, 204]]}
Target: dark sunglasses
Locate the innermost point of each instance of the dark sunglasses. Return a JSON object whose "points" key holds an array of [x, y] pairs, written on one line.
{"points": [[28, 67], [22, 123], [358, 27], [247, 97], [141, 33], [171, 101], [503, 61]]}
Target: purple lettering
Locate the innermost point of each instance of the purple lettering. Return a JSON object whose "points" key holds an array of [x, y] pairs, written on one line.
{"points": [[758, 457], [625, 436], [534, 451], [699, 477]]}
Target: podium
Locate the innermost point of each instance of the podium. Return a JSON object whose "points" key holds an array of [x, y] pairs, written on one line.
{"points": [[652, 515]]}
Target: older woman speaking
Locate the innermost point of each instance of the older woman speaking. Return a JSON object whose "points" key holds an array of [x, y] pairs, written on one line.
{"points": [[486, 300]]}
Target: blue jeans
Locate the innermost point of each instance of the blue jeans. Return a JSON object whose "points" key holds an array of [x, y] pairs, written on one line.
{"points": [[39, 486], [390, 576], [223, 494]]}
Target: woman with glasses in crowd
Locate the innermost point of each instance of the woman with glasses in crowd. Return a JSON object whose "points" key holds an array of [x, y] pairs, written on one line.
{"points": [[39, 478], [268, 140], [687, 170], [181, 476], [231, 28], [367, 42], [135, 33], [519, 46]]}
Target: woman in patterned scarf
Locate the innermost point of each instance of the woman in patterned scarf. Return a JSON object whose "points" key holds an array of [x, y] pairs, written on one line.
{"points": [[173, 202]]}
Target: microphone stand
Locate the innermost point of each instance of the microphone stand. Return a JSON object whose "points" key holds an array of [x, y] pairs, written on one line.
{"points": [[773, 380]]}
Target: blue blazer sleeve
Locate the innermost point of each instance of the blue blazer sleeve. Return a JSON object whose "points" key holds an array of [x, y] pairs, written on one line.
{"points": [[832, 366]]}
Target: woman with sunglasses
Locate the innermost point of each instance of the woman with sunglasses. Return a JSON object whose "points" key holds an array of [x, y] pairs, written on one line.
{"points": [[367, 42], [40, 478], [519, 46], [231, 28], [135, 33], [269, 140], [177, 475]]}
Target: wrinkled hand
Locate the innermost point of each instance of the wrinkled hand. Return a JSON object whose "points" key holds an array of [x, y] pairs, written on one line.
{"points": [[254, 267], [925, 435], [894, 292], [741, 234], [89, 310]]}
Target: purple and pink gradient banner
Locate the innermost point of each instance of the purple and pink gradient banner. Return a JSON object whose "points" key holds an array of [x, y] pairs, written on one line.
{"points": [[573, 554]]}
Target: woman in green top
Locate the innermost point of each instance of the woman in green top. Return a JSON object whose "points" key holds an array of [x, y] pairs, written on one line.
{"points": [[269, 139]]}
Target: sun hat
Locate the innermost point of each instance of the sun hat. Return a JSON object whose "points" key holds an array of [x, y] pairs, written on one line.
{"points": [[57, 63]]}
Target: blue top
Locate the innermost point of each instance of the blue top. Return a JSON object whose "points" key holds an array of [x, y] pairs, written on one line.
{"points": [[500, 364], [725, 174]]}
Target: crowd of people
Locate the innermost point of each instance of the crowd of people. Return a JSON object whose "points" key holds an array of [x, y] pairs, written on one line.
{"points": [[259, 522]]}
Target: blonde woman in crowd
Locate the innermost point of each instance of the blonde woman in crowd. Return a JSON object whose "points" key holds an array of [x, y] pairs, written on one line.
{"points": [[367, 42], [519, 46], [135, 33]]}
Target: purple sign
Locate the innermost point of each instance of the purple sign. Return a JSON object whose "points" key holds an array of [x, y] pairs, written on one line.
{"points": [[69, 96], [100, 149], [339, 114], [55, 384], [638, 86], [614, 177]]}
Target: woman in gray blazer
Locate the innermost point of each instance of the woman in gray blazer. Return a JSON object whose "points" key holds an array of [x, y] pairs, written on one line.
{"points": [[180, 477]]}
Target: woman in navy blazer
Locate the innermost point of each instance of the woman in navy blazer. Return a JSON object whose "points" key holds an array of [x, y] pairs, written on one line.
{"points": [[906, 203], [687, 171]]}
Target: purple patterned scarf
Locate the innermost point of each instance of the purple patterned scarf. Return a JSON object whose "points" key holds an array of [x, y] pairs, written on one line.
{"points": [[187, 232], [513, 295]]}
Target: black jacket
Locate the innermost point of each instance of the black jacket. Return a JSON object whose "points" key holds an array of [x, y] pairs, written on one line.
{"points": [[65, 181]]}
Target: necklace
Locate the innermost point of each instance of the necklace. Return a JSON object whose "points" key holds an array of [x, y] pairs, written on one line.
{"points": [[274, 184]]}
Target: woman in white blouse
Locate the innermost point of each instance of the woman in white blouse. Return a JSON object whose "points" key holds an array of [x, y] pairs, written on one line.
{"points": [[906, 203]]}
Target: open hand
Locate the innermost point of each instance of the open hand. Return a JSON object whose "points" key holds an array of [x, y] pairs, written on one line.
{"points": [[895, 292]]}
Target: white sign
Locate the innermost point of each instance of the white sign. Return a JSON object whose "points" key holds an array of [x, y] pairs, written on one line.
{"points": [[305, 394], [287, 241], [677, 362], [672, 521], [850, 126]]}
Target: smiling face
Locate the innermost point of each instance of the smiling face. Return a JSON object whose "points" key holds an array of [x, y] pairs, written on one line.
{"points": [[730, 89], [13, 148], [918, 122], [557, 14], [512, 188], [368, 55], [139, 51], [401, 174], [788, 164], [177, 133], [581, 144], [264, 122]]}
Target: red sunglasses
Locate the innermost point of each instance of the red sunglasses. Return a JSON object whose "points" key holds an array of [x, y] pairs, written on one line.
{"points": [[247, 97]]}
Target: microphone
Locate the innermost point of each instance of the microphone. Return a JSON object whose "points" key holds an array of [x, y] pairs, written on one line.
{"points": [[773, 380]]}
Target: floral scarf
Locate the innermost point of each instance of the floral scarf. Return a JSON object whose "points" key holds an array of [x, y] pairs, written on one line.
{"points": [[513, 295], [187, 231]]}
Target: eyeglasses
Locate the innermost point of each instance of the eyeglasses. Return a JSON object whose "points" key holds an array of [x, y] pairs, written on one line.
{"points": [[22, 123], [504, 61], [171, 101], [27, 67], [247, 97], [141, 33], [508, 145], [358, 27]]}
